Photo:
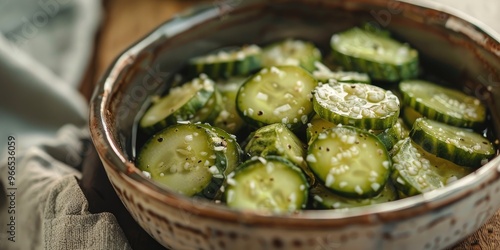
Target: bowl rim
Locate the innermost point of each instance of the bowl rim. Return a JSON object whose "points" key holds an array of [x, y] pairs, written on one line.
{"points": [[112, 156]]}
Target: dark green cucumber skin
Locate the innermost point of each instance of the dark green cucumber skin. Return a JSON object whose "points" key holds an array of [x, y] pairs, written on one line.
{"points": [[377, 71], [214, 110], [445, 168], [388, 138], [224, 70], [445, 150], [392, 135], [247, 165], [212, 190], [234, 155], [364, 123], [329, 198], [431, 113], [439, 170], [404, 190], [262, 142], [155, 128]]}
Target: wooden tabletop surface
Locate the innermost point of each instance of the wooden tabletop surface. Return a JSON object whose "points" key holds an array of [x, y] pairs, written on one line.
{"points": [[126, 21]]}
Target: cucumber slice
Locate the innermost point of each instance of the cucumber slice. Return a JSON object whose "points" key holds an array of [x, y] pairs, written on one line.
{"points": [[277, 95], [413, 174], [323, 198], [291, 52], [267, 184], [389, 137], [228, 118], [461, 146], [185, 158], [380, 56], [182, 103], [231, 148], [224, 63], [277, 139], [356, 104], [211, 110], [316, 126], [443, 104], [350, 161], [324, 74], [448, 170]]}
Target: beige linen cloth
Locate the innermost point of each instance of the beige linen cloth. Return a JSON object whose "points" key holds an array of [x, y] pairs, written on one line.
{"points": [[45, 46]]}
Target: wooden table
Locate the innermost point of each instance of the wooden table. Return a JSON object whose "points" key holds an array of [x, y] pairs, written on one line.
{"points": [[128, 20]]}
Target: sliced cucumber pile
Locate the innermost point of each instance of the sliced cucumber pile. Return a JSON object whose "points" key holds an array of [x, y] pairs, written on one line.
{"points": [[274, 130]]}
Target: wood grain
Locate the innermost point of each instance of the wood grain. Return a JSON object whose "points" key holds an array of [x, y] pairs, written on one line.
{"points": [[126, 21]]}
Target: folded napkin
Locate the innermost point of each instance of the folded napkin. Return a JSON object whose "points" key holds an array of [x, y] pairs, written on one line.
{"points": [[45, 47]]}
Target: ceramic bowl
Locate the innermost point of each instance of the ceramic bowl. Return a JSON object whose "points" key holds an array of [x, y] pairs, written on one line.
{"points": [[451, 46]]}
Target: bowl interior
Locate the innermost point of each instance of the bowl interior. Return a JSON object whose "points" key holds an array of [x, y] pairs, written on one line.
{"points": [[453, 52]]}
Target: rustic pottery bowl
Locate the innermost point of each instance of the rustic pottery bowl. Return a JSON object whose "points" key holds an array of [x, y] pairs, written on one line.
{"points": [[451, 47]]}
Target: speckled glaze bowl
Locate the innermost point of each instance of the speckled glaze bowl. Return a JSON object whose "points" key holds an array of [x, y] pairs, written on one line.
{"points": [[451, 46]]}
